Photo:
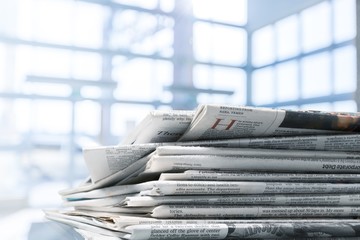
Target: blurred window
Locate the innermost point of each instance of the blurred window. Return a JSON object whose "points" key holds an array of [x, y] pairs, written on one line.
{"points": [[314, 57]]}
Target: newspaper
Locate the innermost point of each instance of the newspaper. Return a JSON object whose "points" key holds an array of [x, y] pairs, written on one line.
{"points": [[219, 122], [246, 122], [122, 221], [160, 126], [220, 151], [348, 142], [110, 180], [94, 236], [85, 226], [103, 162], [163, 188], [180, 163], [118, 222], [200, 175], [109, 191], [158, 188], [103, 220], [245, 231], [238, 228], [229, 211], [265, 199], [97, 202]]}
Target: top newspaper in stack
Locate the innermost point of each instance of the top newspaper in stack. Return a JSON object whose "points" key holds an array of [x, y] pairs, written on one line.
{"points": [[225, 122], [210, 122], [224, 126]]}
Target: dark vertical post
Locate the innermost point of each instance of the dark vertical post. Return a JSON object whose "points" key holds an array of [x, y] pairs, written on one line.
{"points": [[357, 44], [183, 56], [249, 69], [105, 130]]}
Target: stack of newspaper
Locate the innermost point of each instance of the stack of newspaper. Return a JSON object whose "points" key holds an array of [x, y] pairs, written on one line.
{"points": [[223, 172]]}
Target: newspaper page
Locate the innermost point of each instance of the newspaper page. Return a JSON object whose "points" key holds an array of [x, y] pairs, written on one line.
{"points": [[219, 122], [246, 231], [105, 161], [198, 150], [348, 142], [103, 221], [180, 163], [337, 142], [110, 191], [160, 126], [158, 188], [118, 222], [110, 180], [265, 199], [122, 221], [97, 202], [200, 175], [163, 188], [228, 211], [85, 226]]}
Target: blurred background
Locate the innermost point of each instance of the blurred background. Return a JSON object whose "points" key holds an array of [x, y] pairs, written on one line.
{"points": [[77, 73]]}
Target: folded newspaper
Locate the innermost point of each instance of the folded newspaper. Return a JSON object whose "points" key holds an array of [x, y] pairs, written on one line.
{"points": [[223, 172]]}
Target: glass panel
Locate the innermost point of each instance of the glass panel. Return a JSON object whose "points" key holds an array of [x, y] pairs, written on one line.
{"points": [[287, 37], [263, 86], [167, 5], [316, 80], [21, 66], [163, 76], [203, 76], [8, 23], [53, 21], [142, 33], [215, 43], [344, 69], [87, 117], [317, 107], [202, 41], [51, 116], [149, 4], [23, 108], [229, 11], [47, 89], [345, 106], [9, 136], [10, 170], [263, 46], [87, 66], [89, 21], [287, 81], [58, 66], [124, 117], [220, 78], [152, 77], [25, 18], [231, 79], [204, 98], [315, 21], [344, 19], [91, 92], [3, 81]]}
